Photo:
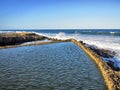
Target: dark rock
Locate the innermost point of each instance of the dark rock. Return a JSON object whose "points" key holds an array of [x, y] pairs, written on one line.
{"points": [[17, 38], [113, 66], [103, 53]]}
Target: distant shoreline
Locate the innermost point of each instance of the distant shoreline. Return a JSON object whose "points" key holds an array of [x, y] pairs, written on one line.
{"points": [[63, 29], [111, 77]]}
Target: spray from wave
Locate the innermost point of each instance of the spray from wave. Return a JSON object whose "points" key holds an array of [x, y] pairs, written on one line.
{"points": [[103, 42]]}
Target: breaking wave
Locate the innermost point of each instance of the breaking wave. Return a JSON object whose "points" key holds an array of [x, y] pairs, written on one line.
{"points": [[103, 42]]}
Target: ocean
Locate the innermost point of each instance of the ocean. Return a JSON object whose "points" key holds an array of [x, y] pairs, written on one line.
{"points": [[102, 38]]}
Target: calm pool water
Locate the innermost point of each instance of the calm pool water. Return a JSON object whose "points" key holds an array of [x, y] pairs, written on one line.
{"points": [[59, 66]]}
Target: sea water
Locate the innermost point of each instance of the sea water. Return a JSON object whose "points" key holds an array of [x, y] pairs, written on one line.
{"points": [[59, 66], [106, 39]]}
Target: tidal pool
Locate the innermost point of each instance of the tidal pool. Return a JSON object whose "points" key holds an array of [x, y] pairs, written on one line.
{"points": [[59, 66]]}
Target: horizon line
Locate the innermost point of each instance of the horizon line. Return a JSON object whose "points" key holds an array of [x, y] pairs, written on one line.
{"points": [[65, 29]]}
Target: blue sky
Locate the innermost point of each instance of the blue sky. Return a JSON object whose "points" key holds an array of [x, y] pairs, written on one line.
{"points": [[58, 14]]}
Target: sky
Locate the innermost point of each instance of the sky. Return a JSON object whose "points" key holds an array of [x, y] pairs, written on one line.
{"points": [[59, 14]]}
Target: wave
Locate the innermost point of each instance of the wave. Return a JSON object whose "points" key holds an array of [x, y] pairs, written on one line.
{"points": [[113, 33], [100, 32], [103, 42]]}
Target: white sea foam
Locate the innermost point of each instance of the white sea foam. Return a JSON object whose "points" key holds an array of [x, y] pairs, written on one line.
{"points": [[105, 42], [112, 32], [5, 31], [33, 42]]}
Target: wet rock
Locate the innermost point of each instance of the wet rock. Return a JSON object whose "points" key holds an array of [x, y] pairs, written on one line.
{"points": [[102, 52], [105, 54], [113, 66]]}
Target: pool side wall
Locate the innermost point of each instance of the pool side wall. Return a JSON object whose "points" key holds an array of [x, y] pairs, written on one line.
{"points": [[111, 77]]}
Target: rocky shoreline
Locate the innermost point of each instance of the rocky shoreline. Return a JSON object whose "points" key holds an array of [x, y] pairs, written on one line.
{"points": [[11, 40], [18, 38], [106, 55], [111, 74]]}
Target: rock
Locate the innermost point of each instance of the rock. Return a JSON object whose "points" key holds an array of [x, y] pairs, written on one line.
{"points": [[113, 66], [105, 54], [102, 52], [17, 38]]}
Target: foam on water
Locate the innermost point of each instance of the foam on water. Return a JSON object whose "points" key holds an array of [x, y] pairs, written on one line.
{"points": [[105, 42], [101, 41], [112, 32]]}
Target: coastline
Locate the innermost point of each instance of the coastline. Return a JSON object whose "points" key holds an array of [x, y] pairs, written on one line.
{"points": [[11, 40], [20, 45], [111, 77], [16, 38]]}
